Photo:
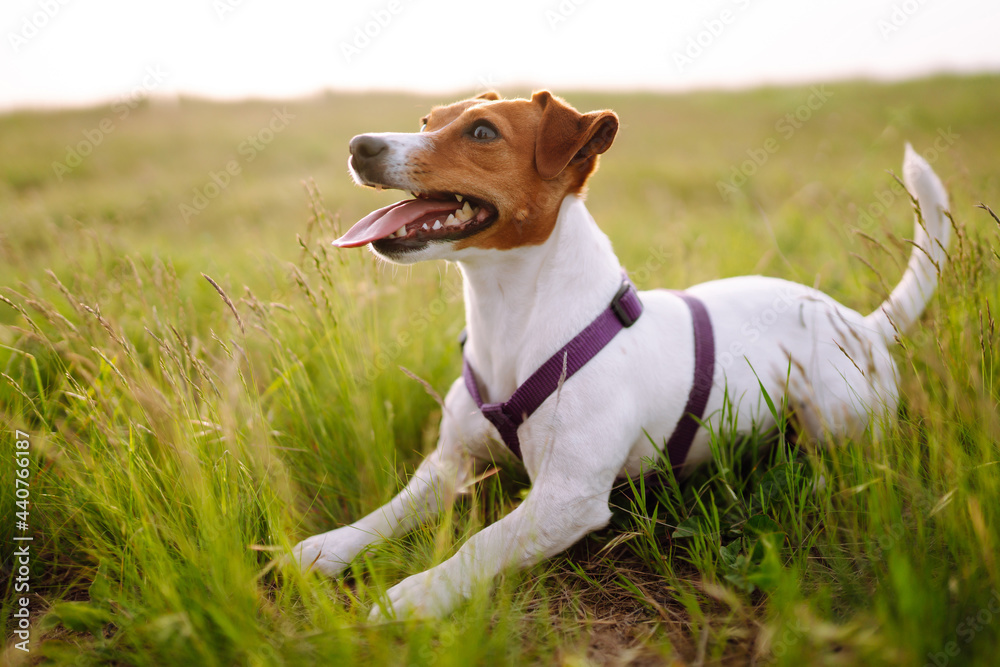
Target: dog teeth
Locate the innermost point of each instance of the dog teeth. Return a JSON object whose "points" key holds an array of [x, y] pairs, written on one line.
{"points": [[465, 214], [437, 225], [425, 227], [459, 198], [451, 221]]}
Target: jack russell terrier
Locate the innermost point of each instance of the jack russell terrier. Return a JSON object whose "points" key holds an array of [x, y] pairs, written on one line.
{"points": [[570, 369]]}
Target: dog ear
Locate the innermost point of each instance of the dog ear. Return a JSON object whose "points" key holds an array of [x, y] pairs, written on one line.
{"points": [[565, 136], [488, 95]]}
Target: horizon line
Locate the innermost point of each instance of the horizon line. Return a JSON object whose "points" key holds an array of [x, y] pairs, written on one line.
{"points": [[175, 97]]}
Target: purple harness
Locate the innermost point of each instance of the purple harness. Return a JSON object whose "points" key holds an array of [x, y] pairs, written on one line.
{"points": [[625, 309]]}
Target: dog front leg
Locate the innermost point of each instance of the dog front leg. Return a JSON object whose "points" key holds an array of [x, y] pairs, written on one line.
{"points": [[551, 519], [432, 487]]}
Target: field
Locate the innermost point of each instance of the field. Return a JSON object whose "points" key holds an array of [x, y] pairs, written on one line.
{"points": [[203, 381]]}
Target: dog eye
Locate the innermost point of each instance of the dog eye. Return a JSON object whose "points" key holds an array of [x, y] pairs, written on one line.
{"points": [[483, 131]]}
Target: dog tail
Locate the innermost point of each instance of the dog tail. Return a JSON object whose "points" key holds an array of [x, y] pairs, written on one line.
{"points": [[931, 236]]}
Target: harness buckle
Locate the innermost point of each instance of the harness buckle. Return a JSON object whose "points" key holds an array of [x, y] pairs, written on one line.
{"points": [[627, 311]]}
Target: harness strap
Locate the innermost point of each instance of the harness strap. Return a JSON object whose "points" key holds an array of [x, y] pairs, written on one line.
{"points": [[704, 368], [624, 310]]}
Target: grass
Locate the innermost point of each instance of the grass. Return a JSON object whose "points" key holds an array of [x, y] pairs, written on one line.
{"points": [[181, 429]]}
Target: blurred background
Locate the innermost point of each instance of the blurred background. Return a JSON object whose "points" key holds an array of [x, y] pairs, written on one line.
{"points": [[201, 119], [78, 52]]}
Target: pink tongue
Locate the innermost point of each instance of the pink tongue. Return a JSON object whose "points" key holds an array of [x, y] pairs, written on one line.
{"points": [[379, 224]]}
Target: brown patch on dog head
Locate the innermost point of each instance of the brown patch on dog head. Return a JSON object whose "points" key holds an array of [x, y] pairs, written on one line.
{"points": [[568, 137], [544, 150], [444, 115]]}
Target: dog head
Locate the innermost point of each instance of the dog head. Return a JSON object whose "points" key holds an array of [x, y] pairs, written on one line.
{"points": [[484, 173]]}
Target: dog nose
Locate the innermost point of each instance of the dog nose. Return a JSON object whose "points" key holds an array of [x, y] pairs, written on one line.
{"points": [[366, 149]]}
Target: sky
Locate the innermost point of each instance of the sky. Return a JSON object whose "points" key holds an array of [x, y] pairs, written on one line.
{"points": [[57, 53]]}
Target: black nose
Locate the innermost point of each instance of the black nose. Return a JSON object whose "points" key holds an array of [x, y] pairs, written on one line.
{"points": [[367, 149]]}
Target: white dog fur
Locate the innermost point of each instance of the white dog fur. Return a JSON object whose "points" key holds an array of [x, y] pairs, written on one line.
{"points": [[523, 304]]}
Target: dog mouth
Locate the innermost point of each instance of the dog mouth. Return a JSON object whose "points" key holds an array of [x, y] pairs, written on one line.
{"points": [[428, 217]]}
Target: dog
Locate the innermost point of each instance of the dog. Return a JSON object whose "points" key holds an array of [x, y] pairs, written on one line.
{"points": [[498, 188]]}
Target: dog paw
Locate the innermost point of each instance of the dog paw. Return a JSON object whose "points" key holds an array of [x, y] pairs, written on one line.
{"points": [[328, 553], [430, 594]]}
